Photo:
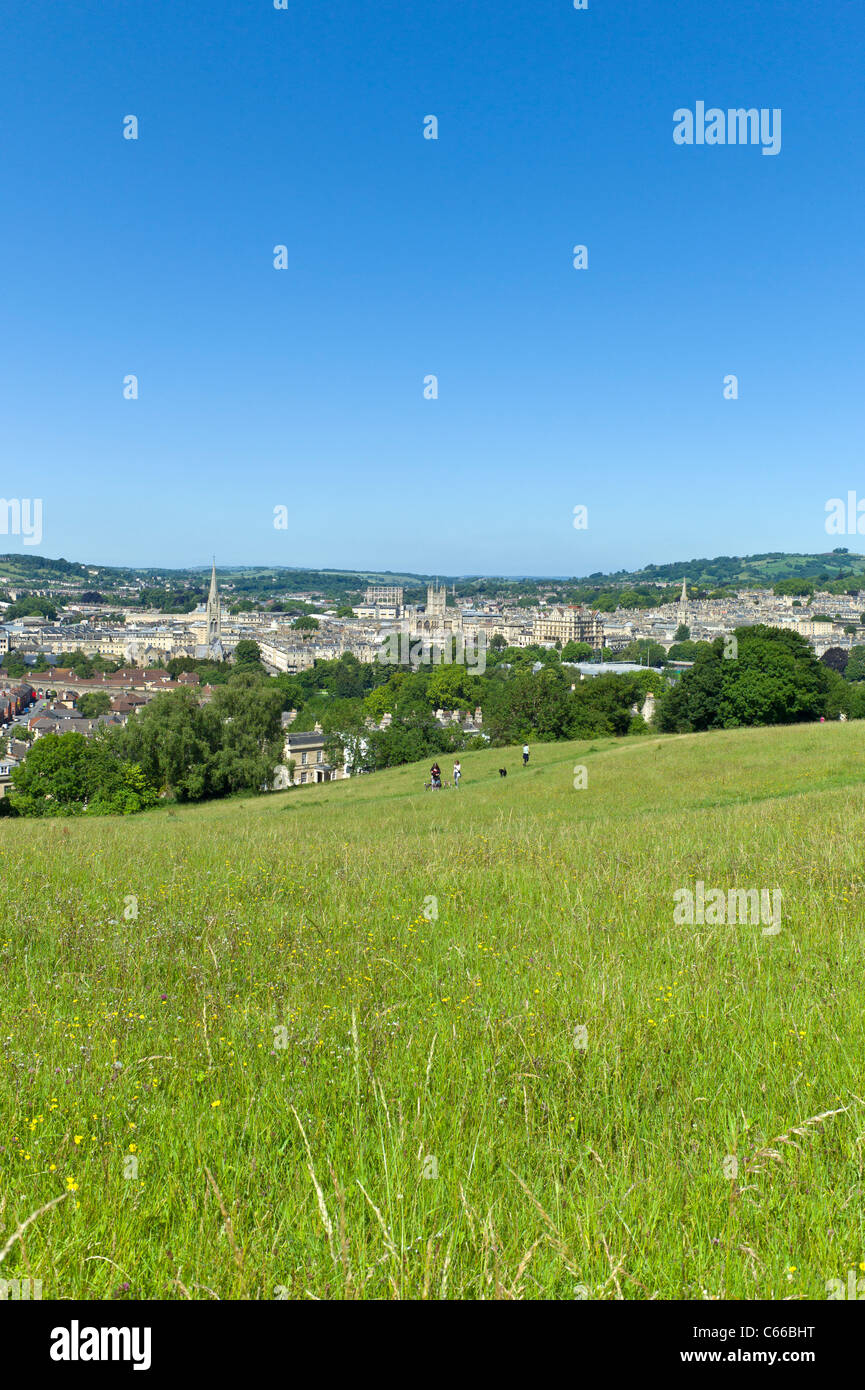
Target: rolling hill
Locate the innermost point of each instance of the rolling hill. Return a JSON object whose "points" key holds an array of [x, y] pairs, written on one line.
{"points": [[363, 1040], [763, 570]]}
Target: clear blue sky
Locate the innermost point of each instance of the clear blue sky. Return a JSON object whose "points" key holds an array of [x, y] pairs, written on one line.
{"points": [[409, 256]]}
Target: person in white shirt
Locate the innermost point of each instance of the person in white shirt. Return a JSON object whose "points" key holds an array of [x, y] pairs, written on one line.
{"points": [[458, 772], [525, 754]]}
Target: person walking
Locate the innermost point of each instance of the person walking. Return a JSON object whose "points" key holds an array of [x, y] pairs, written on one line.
{"points": [[436, 775], [458, 772], [525, 754]]}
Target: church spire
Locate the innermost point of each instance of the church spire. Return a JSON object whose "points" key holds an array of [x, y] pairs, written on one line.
{"points": [[214, 614]]}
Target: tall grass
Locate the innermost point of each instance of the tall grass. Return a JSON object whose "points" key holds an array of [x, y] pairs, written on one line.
{"points": [[334, 1032]]}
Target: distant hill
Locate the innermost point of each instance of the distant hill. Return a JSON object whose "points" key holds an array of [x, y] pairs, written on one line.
{"points": [[765, 570], [31, 568], [746, 570]]}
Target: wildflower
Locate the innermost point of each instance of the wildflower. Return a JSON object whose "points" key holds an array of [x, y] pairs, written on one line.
{"points": [[71, 1185]]}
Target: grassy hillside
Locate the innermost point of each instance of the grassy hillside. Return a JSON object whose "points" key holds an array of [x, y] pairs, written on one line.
{"points": [[328, 1093], [746, 571]]}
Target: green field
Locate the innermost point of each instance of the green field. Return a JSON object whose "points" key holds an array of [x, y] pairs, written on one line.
{"points": [[288, 1077]]}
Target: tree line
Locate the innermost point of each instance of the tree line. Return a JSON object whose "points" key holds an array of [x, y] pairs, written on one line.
{"points": [[180, 748]]}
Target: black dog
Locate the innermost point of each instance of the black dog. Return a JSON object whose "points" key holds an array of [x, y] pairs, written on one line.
{"points": [[503, 772]]}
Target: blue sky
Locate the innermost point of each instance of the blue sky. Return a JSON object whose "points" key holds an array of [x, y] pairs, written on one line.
{"points": [[408, 257]]}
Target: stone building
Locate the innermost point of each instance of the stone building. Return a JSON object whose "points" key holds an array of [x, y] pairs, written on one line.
{"points": [[211, 648], [436, 617], [381, 603], [568, 623], [307, 752]]}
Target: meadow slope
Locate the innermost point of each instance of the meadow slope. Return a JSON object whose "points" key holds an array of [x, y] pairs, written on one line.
{"points": [[323, 1043]]}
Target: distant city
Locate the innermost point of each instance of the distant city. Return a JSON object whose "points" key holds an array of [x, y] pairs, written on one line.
{"points": [[298, 627]]}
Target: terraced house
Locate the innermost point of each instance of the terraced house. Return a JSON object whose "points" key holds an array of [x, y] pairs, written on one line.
{"points": [[14, 699]]}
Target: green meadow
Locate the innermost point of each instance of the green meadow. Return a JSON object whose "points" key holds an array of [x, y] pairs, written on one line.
{"points": [[363, 1040]]}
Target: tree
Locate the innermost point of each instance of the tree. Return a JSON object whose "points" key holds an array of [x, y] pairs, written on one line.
{"points": [[247, 655], [77, 661], [380, 701], [346, 736], [67, 774], [685, 651], [180, 600], [29, 605], [116, 787], [93, 703], [836, 659], [305, 624], [250, 736], [604, 704], [53, 778], [453, 687], [175, 741], [692, 703], [291, 690], [209, 672], [645, 651], [14, 665], [774, 679], [576, 651], [855, 668], [345, 678], [683, 632], [527, 704], [799, 588], [105, 663], [842, 698]]}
